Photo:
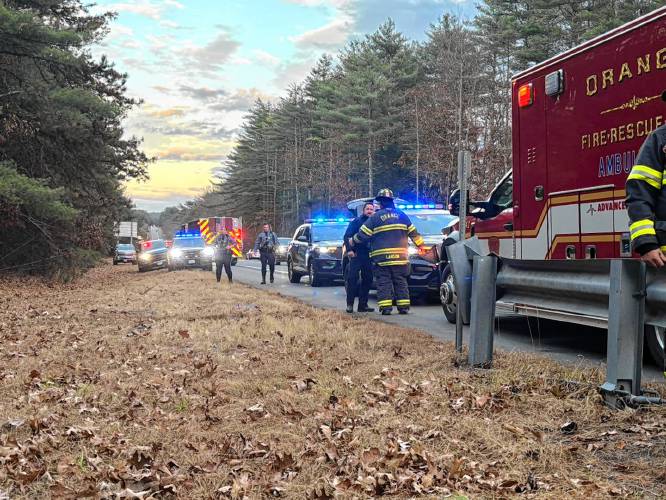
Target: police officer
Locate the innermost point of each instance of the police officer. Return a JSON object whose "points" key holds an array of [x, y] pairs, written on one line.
{"points": [[223, 244], [359, 264], [646, 199], [266, 243], [387, 231]]}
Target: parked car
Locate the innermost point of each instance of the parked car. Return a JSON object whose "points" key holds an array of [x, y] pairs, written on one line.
{"points": [[316, 251], [281, 250], [252, 254], [153, 255], [125, 253]]}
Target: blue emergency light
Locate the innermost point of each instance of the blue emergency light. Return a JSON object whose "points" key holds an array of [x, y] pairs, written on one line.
{"points": [[321, 220], [422, 206], [187, 234]]}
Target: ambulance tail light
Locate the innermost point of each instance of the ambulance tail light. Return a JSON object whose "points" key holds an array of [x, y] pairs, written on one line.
{"points": [[525, 95]]}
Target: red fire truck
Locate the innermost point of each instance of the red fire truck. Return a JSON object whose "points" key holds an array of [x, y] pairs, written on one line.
{"points": [[579, 120], [210, 226]]}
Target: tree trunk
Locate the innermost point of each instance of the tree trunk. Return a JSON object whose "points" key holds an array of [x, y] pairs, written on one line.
{"points": [[370, 172], [418, 147]]}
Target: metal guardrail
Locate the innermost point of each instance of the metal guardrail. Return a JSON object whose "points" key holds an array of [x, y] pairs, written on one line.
{"points": [[571, 288], [619, 294]]}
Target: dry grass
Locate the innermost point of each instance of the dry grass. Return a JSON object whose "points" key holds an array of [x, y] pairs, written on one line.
{"points": [[131, 386]]}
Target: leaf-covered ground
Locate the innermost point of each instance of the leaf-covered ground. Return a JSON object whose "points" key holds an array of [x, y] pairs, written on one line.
{"points": [[127, 385]]}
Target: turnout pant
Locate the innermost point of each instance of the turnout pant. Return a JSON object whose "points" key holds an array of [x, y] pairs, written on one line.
{"points": [[392, 284], [358, 281], [224, 262], [267, 259]]}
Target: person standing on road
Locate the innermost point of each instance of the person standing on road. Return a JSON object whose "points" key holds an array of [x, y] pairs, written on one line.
{"points": [[223, 245], [646, 199], [266, 243], [387, 232], [359, 271]]}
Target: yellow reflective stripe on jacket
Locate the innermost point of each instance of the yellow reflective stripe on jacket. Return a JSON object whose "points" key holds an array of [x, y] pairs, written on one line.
{"points": [[418, 241], [646, 174], [366, 230], [384, 303], [663, 249], [390, 227], [411, 229], [641, 228], [393, 263], [383, 251]]}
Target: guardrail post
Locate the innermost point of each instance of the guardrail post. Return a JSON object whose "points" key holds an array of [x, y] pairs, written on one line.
{"points": [[626, 322], [460, 258], [482, 325]]}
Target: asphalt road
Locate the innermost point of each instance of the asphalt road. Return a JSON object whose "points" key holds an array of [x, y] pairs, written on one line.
{"points": [[567, 343]]}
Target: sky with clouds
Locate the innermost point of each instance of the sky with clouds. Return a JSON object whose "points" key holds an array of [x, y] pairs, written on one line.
{"points": [[198, 65]]}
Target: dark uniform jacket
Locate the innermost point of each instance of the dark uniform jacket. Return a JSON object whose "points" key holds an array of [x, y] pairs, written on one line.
{"points": [[387, 231], [361, 249], [266, 242], [646, 195], [222, 244]]}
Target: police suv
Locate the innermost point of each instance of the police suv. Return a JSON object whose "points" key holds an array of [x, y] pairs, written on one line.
{"points": [[316, 251], [189, 249]]}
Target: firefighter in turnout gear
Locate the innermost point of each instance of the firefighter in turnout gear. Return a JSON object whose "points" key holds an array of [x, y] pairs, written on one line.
{"points": [[646, 199], [387, 232], [223, 245]]}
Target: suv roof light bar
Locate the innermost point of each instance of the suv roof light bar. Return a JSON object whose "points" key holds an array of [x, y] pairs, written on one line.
{"points": [[323, 219]]}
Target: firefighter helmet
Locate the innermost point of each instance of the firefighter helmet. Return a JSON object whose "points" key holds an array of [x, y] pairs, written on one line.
{"points": [[385, 193]]}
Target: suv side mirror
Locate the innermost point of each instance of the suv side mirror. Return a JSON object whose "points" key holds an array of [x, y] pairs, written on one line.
{"points": [[302, 238]]}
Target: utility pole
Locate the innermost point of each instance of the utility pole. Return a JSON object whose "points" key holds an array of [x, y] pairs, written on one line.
{"points": [[464, 167]]}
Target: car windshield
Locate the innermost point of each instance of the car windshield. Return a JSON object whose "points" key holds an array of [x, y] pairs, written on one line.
{"points": [[155, 244], [125, 248], [328, 232], [428, 224], [284, 241], [188, 243]]}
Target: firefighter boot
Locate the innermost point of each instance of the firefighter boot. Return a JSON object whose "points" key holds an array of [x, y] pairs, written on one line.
{"points": [[403, 310], [386, 311], [350, 308]]}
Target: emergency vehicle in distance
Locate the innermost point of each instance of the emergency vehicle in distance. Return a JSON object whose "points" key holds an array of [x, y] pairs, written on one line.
{"points": [[579, 120], [210, 226]]}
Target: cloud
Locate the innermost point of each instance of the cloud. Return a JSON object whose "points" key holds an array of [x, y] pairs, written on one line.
{"points": [[331, 35], [223, 100], [413, 17], [205, 130], [295, 71], [166, 113], [266, 57], [146, 8], [210, 57], [202, 93], [181, 153], [318, 3], [240, 100]]}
